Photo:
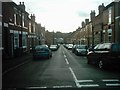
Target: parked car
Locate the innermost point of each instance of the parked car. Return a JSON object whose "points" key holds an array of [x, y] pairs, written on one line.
{"points": [[69, 46], [104, 55], [74, 47], [53, 47], [81, 50], [66, 46], [42, 51]]}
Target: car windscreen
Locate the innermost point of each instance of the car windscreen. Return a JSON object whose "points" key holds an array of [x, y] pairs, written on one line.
{"points": [[53, 46], [40, 48], [81, 47]]}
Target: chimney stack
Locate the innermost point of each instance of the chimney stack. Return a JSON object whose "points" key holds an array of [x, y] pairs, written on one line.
{"points": [[86, 21], [101, 8], [33, 17], [92, 14], [22, 6], [83, 24]]}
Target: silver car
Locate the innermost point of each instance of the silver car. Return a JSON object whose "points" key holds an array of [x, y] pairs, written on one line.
{"points": [[81, 50]]}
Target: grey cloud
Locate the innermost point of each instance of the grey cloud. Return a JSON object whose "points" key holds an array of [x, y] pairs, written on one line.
{"points": [[83, 14]]}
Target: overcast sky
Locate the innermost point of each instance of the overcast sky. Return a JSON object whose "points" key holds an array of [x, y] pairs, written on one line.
{"points": [[62, 15]]}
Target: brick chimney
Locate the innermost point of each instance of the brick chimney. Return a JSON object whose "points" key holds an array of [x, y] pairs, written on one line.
{"points": [[86, 21], [22, 6], [83, 24], [101, 8], [92, 14], [33, 17]]}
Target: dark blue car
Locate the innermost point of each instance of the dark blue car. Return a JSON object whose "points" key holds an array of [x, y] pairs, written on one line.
{"points": [[41, 51]]}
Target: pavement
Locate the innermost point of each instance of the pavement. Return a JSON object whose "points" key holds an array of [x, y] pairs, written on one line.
{"points": [[10, 63]]}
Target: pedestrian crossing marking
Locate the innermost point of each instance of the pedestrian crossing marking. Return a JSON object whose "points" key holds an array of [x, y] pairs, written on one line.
{"points": [[110, 80], [62, 86], [116, 84], [105, 82], [35, 87], [89, 85], [84, 81]]}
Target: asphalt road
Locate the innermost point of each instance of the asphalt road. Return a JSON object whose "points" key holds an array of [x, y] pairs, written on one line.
{"points": [[63, 70]]}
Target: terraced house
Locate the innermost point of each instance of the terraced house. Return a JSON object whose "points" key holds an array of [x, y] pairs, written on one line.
{"points": [[15, 29], [105, 27], [20, 32]]}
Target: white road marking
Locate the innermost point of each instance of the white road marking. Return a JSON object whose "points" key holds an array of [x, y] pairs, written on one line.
{"points": [[81, 81], [65, 56], [75, 78], [77, 82], [62, 86], [66, 61], [35, 87], [116, 84], [14, 67], [110, 80], [63, 52], [89, 85]]}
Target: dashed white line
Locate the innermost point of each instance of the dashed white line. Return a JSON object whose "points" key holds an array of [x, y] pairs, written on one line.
{"points": [[66, 61], [65, 56]]}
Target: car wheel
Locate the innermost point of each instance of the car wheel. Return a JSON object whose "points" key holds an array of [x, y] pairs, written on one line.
{"points": [[101, 64]]}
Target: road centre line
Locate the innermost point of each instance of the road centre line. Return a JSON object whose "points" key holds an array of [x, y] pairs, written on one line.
{"points": [[66, 61], [65, 58], [63, 52], [64, 55]]}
